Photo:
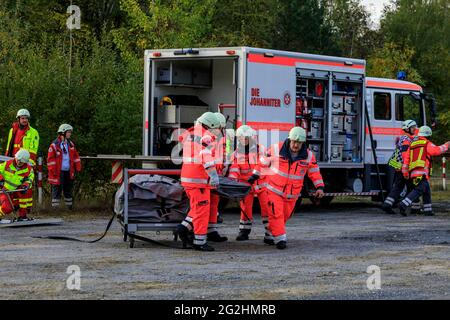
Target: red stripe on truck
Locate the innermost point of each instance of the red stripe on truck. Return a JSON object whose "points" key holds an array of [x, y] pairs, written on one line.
{"points": [[393, 85], [291, 62], [385, 131]]}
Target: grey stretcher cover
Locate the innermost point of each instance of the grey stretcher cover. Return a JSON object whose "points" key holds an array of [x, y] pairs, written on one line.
{"points": [[232, 189], [152, 199]]}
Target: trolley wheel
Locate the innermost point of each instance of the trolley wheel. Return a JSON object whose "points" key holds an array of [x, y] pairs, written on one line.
{"points": [[131, 243]]}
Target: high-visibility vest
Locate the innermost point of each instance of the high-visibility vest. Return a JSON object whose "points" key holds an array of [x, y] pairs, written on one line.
{"points": [[286, 178], [396, 160], [418, 154], [14, 177], [30, 142], [198, 148]]}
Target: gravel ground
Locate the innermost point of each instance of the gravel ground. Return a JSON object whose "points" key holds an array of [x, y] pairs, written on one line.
{"points": [[329, 251]]}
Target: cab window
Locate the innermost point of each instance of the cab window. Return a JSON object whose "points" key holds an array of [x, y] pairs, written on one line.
{"points": [[382, 106], [406, 107]]}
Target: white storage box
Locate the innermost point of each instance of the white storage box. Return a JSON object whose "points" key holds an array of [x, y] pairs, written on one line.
{"points": [[336, 152]]}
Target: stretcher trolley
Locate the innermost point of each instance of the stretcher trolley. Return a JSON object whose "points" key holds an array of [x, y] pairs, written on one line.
{"points": [[149, 200]]}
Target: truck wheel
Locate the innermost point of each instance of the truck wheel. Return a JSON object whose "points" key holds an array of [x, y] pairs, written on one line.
{"points": [[324, 202]]}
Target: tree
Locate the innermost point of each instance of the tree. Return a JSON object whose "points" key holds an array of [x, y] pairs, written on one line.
{"points": [[390, 59], [302, 25], [350, 24]]}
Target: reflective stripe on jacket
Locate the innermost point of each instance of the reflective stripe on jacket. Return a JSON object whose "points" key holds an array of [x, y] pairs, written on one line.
{"points": [[198, 149], [15, 177], [286, 176], [54, 161]]}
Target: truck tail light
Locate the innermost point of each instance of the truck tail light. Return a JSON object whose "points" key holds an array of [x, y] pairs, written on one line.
{"points": [[157, 54], [231, 52]]}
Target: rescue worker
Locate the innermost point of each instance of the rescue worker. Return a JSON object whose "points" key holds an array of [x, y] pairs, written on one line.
{"points": [[288, 162], [396, 162], [245, 164], [63, 162], [220, 156], [23, 136], [16, 174], [416, 168], [198, 177]]}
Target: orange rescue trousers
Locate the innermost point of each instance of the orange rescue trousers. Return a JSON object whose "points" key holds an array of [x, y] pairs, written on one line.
{"points": [[202, 208], [246, 205], [280, 211], [214, 210]]}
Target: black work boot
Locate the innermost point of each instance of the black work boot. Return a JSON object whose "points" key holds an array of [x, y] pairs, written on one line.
{"points": [[281, 245], [216, 237], [242, 236], [387, 208], [429, 213], [183, 234], [204, 247], [402, 210], [270, 242]]}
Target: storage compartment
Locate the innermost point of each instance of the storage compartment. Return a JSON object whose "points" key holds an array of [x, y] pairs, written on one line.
{"points": [[336, 152], [312, 92], [349, 124], [337, 104], [346, 119], [317, 150], [183, 90], [316, 129], [337, 123]]}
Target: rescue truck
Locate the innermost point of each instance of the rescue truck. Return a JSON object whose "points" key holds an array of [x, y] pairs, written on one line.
{"points": [[272, 91]]}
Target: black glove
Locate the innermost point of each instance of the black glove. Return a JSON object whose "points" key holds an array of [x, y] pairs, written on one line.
{"points": [[253, 178], [25, 188]]}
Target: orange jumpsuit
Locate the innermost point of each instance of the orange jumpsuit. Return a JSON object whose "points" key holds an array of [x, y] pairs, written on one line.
{"points": [[245, 163], [197, 159], [284, 183]]}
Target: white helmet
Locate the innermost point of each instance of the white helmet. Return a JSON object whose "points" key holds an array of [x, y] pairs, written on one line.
{"points": [[297, 134], [23, 156], [408, 124], [23, 113], [245, 131], [65, 127], [210, 120], [425, 131], [222, 119]]}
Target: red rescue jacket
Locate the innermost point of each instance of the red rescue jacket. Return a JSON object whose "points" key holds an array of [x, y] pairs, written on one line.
{"points": [[54, 161], [245, 163], [285, 176], [417, 161], [198, 148]]}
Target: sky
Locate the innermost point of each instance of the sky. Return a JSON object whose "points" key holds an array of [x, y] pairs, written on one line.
{"points": [[375, 7]]}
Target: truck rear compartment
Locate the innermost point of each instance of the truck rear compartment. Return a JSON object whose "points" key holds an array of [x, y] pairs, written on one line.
{"points": [[186, 88]]}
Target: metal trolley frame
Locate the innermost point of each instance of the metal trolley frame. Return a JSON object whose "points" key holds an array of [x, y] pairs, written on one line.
{"points": [[133, 228]]}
